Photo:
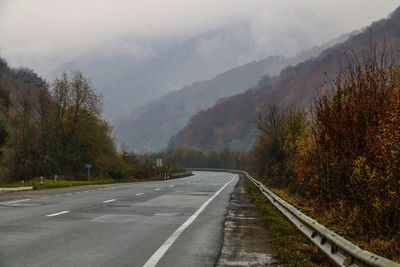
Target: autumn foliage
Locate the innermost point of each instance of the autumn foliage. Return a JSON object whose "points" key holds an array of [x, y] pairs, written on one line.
{"points": [[348, 158]]}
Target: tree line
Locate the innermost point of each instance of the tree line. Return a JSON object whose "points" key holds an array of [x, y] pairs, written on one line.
{"points": [[55, 129]]}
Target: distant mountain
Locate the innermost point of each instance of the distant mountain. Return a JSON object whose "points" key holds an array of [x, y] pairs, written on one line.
{"points": [[229, 123], [130, 72], [133, 70], [151, 126]]}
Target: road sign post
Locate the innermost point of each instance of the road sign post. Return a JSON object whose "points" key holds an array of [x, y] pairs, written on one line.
{"points": [[159, 165], [88, 166]]}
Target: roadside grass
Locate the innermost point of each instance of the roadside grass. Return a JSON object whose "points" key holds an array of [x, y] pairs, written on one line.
{"points": [[50, 183], [292, 247], [336, 220]]}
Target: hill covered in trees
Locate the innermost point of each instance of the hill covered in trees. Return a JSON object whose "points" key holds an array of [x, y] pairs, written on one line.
{"points": [[224, 126], [151, 126]]}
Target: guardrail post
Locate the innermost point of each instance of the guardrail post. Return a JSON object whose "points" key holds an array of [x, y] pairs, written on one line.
{"points": [[348, 261]]}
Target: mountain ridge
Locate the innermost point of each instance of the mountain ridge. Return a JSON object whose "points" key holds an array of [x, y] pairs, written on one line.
{"points": [[219, 126], [149, 127]]}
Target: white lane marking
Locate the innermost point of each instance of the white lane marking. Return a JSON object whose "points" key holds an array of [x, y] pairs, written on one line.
{"points": [[15, 201], [157, 189], [138, 194], [86, 191], [171, 185], [108, 201], [58, 213], [168, 243]]}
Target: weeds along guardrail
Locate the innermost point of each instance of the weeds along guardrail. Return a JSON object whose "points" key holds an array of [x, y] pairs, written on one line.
{"points": [[339, 250]]}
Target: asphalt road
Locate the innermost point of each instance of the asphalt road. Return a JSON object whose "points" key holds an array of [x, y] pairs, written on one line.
{"points": [[166, 223]]}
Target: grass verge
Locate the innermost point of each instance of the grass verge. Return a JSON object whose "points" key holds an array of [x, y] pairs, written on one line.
{"points": [[47, 184], [292, 247], [341, 223]]}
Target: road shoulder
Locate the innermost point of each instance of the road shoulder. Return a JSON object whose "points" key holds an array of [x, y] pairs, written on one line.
{"points": [[246, 242]]}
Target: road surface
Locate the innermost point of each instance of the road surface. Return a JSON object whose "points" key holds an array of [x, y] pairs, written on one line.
{"points": [[164, 223]]}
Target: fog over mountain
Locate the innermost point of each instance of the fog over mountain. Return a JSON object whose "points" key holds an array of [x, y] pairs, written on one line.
{"points": [[143, 71], [136, 51]]}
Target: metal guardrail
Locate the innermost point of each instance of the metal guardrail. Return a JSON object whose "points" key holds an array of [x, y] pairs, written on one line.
{"points": [[339, 250]]}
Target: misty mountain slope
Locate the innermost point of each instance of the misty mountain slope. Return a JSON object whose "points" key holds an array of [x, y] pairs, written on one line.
{"points": [[151, 126], [107, 61], [18, 81], [224, 126], [146, 70]]}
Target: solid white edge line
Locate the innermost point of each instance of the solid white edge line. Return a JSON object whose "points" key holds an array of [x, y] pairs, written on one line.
{"points": [[155, 258], [58, 213], [15, 201], [108, 201]]}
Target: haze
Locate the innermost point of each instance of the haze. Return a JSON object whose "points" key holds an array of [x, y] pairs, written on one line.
{"points": [[42, 34]]}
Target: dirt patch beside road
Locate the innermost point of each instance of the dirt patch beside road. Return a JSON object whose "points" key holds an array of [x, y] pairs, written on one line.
{"points": [[246, 241]]}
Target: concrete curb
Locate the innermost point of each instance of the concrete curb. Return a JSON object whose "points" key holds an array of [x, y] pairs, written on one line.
{"points": [[13, 189]]}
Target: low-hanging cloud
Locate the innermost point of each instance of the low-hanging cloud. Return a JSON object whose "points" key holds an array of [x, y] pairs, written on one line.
{"points": [[41, 34]]}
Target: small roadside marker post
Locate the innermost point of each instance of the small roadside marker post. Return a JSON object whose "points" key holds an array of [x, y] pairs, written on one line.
{"points": [[88, 166], [159, 165]]}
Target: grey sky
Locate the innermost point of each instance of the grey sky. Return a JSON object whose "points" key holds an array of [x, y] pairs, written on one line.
{"points": [[41, 34]]}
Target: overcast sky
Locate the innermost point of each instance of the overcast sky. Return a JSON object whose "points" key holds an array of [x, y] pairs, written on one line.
{"points": [[40, 34]]}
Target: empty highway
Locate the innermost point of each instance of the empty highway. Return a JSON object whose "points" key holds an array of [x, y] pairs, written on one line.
{"points": [[165, 223]]}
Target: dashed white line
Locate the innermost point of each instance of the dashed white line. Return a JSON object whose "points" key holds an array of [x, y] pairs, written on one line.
{"points": [[157, 189], [171, 185], [168, 243], [15, 201], [58, 213], [138, 194], [108, 201]]}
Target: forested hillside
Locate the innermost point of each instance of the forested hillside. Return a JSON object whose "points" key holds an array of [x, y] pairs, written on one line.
{"points": [[151, 126], [224, 126]]}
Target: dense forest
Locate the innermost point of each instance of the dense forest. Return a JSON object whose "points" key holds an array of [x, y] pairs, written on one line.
{"points": [[56, 128]]}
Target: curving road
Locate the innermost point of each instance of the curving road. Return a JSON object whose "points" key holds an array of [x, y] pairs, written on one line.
{"points": [[166, 223]]}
